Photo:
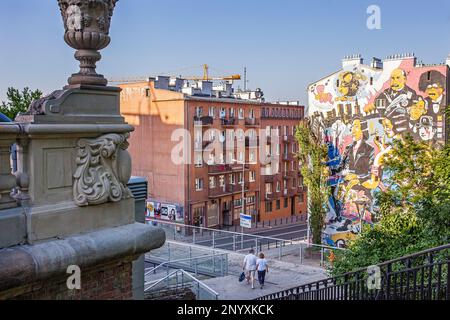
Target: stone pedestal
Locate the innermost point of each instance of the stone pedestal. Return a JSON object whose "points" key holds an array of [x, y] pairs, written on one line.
{"points": [[73, 202]]}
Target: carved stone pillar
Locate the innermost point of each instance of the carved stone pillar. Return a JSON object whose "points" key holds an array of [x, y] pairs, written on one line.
{"points": [[8, 135]]}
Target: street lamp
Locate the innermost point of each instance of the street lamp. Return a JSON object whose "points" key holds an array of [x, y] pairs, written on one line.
{"points": [[242, 199]]}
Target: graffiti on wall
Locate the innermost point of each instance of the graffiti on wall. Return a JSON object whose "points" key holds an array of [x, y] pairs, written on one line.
{"points": [[363, 109]]}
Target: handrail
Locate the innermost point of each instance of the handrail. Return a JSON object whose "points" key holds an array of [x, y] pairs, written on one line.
{"points": [[240, 234], [189, 276], [315, 289], [203, 257]]}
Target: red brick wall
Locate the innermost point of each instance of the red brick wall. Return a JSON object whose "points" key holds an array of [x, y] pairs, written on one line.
{"points": [[111, 281]]}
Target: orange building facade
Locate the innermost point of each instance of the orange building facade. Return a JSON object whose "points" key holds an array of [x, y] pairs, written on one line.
{"points": [[170, 126]]}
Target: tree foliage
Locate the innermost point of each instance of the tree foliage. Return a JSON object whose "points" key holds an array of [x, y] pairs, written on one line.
{"points": [[312, 155], [18, 101], [415, 210]]}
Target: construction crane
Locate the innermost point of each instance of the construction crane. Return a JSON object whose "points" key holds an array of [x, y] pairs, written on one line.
{"points": [[206, 77]]}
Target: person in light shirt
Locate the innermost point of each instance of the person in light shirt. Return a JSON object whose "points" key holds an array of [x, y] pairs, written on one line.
{"points": [[262, 268], [249, 266]]}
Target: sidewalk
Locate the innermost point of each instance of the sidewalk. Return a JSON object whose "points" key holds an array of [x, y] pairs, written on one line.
{"points": [[282, 275]]}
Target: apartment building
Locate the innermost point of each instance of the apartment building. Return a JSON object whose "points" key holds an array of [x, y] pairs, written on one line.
{"points": [[179, 129]]}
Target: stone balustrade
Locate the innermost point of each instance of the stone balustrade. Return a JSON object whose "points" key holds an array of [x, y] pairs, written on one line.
{"points": [[9, 134]]}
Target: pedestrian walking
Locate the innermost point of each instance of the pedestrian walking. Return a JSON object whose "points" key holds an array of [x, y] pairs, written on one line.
{"points": [[249, 267], [262, 268]]}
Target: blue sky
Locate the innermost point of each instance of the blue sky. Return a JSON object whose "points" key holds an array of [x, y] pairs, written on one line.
{"points": [[285, 44]]}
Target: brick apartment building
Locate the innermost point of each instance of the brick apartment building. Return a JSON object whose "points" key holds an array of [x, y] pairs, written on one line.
{"points": [[208, 192]]}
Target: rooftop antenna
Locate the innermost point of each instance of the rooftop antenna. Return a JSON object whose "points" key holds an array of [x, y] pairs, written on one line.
{"points": [[245, 79]]}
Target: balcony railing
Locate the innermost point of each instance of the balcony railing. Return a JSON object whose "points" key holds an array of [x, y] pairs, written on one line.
{"points": [[219, 168], [203, 121], [289, 174], [228, 122], [288, 138], [251, 122], [288, 157], [220, 191]]}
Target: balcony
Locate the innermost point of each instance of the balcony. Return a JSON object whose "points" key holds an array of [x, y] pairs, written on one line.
{"points": [[219, 169], [228, 122], [251, 122], [292, 192], [289, 174], [288, 157], [289, 138], [203, 121], [269, 178], [229, 189]]}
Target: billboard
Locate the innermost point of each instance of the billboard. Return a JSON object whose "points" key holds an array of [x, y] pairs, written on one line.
{"points": [[164, 211]]}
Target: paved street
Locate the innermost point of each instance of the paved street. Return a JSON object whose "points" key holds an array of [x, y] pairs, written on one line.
{"points": [[282, 275]]}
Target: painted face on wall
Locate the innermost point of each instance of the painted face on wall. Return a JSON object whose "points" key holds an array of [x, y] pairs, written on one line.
{"points": [[357, 130], [398, 80], [417, 110], [426, 131], [434, 91], [348, 84], [388, 127]]}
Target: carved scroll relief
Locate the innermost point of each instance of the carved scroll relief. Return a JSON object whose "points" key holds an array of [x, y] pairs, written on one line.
{"points": [[103, 170]]}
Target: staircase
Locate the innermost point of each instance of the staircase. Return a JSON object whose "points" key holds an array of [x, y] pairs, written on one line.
{"points": [[420, 276]]}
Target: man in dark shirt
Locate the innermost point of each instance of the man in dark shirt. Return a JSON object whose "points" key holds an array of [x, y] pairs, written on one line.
{"points": [[394, 102]]}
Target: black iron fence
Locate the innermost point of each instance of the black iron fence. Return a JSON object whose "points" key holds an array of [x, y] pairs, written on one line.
{"points": [[421, 276]]}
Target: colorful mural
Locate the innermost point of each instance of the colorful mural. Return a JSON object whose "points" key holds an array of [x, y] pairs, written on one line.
{"points": [[363, 109]]}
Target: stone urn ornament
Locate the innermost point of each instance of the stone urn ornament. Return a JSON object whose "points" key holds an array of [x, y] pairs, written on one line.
{"points": [[87, 25]]}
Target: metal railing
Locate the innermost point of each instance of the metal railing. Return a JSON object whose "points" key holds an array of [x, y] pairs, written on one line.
{"points": [[180, 279], [212, 264], [420, 276], [275, 248]]}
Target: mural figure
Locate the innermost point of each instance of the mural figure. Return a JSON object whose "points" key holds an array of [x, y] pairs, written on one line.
{"points": [[394, 102]]}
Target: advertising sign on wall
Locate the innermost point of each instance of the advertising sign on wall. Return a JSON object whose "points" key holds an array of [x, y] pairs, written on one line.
{"points": [[164, 211]]}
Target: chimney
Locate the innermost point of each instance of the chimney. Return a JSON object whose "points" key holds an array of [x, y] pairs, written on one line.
{"points": [[352, 60]]}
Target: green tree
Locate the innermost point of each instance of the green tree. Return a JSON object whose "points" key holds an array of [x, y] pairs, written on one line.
{"points": [[313, 155], [415, 210], [18, 101]]}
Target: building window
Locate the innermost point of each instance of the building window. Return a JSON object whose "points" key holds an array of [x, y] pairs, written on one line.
{"points": [[250, 200], [212, 182], [278, 186], [285, 202], [268, 206], [223, 113], [241, 113], [251, 114], [232, 178], [198, 160], [252, 157], [268, 188], [278, 205], [199, 111], [238, 202], [231, 112], [222, 181], [252, 176], [212, 112], [198, 184], [241, 178], [301, 198]]}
